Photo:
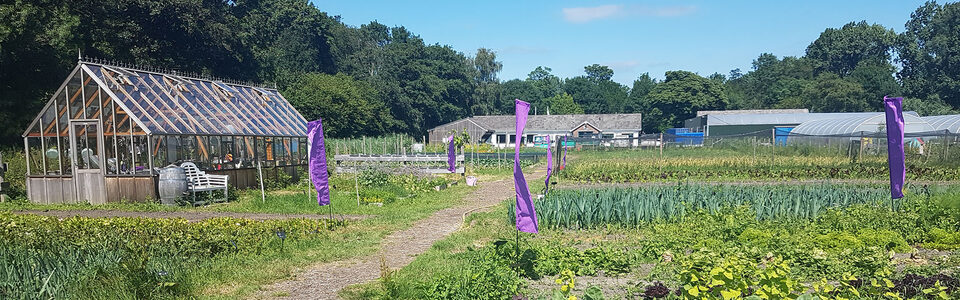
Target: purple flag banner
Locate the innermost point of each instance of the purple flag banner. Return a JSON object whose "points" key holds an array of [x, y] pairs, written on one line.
{"points": [[452, 156], [549, 164], [526, 214], [564, 145], [318, 161], [895, 156]]}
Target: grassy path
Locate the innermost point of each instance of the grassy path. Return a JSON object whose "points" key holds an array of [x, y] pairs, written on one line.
{"points": [[398, 249]]}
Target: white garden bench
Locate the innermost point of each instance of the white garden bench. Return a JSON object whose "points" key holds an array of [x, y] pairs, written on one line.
{"points": [[200, 181]]}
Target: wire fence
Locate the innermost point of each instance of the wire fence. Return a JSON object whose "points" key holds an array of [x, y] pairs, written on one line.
{"points": [[930, 146]]}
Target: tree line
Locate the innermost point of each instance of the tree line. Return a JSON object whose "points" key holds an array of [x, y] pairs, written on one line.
{"points": [[374, 79]]}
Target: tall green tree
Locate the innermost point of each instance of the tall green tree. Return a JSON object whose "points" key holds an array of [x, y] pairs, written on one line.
{"points": [[929, 52], [598, 72], [636, 101], [841, 50], [349, 108], [546, 83], [563, 104], [518, 89], [679, 97], [485, 69], [830, 93]]}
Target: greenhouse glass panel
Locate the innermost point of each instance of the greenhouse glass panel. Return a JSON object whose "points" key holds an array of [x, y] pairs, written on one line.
{"points": [[91, 93], [141, 165], [36, 154], [53, 161], [64, 116], [110, 152], [75, 98], [214, 151], [65, 160], [295, 150], [158, 151]]}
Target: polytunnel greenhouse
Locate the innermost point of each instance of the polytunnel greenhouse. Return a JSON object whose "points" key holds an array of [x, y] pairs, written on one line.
{"points": [[950, 123], [871, 125], [107, 130]]}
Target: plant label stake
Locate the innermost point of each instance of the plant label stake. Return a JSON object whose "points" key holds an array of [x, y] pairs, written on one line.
{"points": [[263, 193]]}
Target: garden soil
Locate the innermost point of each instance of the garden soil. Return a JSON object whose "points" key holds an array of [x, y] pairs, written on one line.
{"points": [[399, 249]]}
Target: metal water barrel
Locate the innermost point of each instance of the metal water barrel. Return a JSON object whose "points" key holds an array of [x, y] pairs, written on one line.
{"points": [[172, 185]]}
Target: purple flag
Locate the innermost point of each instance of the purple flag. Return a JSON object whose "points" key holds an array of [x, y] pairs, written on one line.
{"points": [[526, 214], [564, 145], [549, 163], [895, 157], [318, 161], [452, 156]]}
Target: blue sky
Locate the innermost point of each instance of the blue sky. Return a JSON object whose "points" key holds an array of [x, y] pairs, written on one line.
{"points": [[630, 37]]}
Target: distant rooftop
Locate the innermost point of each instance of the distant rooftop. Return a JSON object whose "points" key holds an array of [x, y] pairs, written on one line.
{"points": [[753, 111], [506, 123]]}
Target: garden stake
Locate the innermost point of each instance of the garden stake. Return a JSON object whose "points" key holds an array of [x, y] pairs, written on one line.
{"points": [[263, 193]]}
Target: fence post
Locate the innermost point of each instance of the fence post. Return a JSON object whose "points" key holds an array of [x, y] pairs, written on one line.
{"points": [[773, 141], [661, 145]]}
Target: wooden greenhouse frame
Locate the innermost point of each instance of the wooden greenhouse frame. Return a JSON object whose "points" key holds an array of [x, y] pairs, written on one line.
{"points": [[107, 130]]}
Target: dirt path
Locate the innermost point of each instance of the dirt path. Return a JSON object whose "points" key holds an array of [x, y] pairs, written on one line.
{"points": [[400, 248], [189, 215]]}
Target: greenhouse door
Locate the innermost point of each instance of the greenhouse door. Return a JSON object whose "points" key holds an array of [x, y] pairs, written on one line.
{"points": [[86, 151]]}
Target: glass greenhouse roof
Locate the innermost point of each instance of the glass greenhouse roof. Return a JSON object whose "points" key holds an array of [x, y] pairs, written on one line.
{"points": [[168, 104], [949, 123], [861, 124]]}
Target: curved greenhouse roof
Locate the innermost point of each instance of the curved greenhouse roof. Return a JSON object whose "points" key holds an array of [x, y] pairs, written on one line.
{"points": [[860, 125], [949, 123]]}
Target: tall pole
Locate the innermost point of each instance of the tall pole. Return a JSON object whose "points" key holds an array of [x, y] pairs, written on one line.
{"points": [[263, 192], [661, 145], [356, 181]]}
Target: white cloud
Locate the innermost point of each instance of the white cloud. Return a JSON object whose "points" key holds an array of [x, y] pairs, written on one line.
{"points": [[587, 14]]}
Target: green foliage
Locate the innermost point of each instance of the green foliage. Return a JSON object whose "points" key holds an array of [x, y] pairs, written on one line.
{"points": [[488, 277], [932, 106], [706, 275], [128, 257], [680, 96], [592, 208], [721, 165], [830, 93], [563, 105], [349, 108], [840, 50], [930, 42]]}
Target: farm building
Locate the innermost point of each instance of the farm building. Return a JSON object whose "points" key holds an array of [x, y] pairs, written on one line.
{"points": [[499, 131], [107, 130], [720, 123]]}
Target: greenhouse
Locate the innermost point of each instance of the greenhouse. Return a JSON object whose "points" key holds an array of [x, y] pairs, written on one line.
{"points": [[866, 125], [950, 123], [107, 131]]}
